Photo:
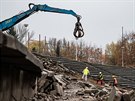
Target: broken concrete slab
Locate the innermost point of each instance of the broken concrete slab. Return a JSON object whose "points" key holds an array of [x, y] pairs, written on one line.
{"points": [[58, 88], [59, 79], [48, 73], [126, 97], [112, 94]]}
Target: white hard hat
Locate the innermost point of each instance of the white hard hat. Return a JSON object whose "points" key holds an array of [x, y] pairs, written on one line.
{"points": [[100, 72], [113, 76]]}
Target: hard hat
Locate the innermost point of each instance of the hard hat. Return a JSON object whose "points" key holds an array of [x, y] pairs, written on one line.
{"points": [[86, 67], [113, 76], [100, 72]]}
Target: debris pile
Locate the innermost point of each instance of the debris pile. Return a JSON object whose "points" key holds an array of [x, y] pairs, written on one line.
{"points": [[58, 83]]}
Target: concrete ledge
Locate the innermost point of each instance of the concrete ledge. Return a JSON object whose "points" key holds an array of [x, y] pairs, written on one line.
{"points": [[14, 52]]}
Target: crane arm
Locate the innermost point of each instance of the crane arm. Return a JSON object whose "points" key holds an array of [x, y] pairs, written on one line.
{"points": [[55, 10], [8, 23]]}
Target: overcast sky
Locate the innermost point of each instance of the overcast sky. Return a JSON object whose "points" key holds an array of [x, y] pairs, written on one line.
{"points": [[101, 19]]}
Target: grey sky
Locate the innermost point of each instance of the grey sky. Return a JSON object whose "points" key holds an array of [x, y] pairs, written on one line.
{"points": [[101, 19]]}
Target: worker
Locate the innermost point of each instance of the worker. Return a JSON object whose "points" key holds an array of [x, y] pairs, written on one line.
{"points": [[100, 78], [115, 81], [85, 73]]}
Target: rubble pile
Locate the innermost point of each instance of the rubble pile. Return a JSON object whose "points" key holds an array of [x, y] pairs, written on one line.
{"points": [[58, 83], [127, 75]]}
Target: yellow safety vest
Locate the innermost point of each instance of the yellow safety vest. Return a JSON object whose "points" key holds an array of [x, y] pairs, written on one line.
{"points": [[101, 76], [85, 71]]}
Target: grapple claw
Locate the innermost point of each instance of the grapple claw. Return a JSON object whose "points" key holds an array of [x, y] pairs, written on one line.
{"points": [[78, 31]]}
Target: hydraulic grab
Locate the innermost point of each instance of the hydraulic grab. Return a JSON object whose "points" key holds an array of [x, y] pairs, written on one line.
{"points": [[8, 23]]}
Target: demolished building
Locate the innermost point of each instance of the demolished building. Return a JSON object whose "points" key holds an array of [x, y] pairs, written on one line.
{"points": [[64, 83], [26, 77]]}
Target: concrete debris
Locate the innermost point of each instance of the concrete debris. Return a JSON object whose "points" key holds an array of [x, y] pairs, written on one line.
{"points": [[59, 79], [57, 83], [129, 96]]}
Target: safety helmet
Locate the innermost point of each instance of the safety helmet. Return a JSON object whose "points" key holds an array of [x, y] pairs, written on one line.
{"points": [[100, 72]]}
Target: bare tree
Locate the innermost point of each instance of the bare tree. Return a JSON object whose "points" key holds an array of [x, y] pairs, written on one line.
{"points": [[23, 34], [113, 52], [58, 48], [20, 32], [12, 31]]}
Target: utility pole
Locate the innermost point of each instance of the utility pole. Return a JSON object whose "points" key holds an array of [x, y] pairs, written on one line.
{"points": [[39, 43], [76, 50], [122, 48], [28, 40], [45, 46], [26, 26]]}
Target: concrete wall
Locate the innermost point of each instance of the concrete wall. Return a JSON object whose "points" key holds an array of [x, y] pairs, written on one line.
{"points": [[18, 71], [16, 84]]}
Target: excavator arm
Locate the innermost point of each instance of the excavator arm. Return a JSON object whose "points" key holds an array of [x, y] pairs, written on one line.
{"points": [[8, 23]]}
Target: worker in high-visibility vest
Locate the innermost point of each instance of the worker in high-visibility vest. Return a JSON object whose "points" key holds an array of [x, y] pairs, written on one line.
{"points": [[85, 73], [115, 81], [100, 78]]}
